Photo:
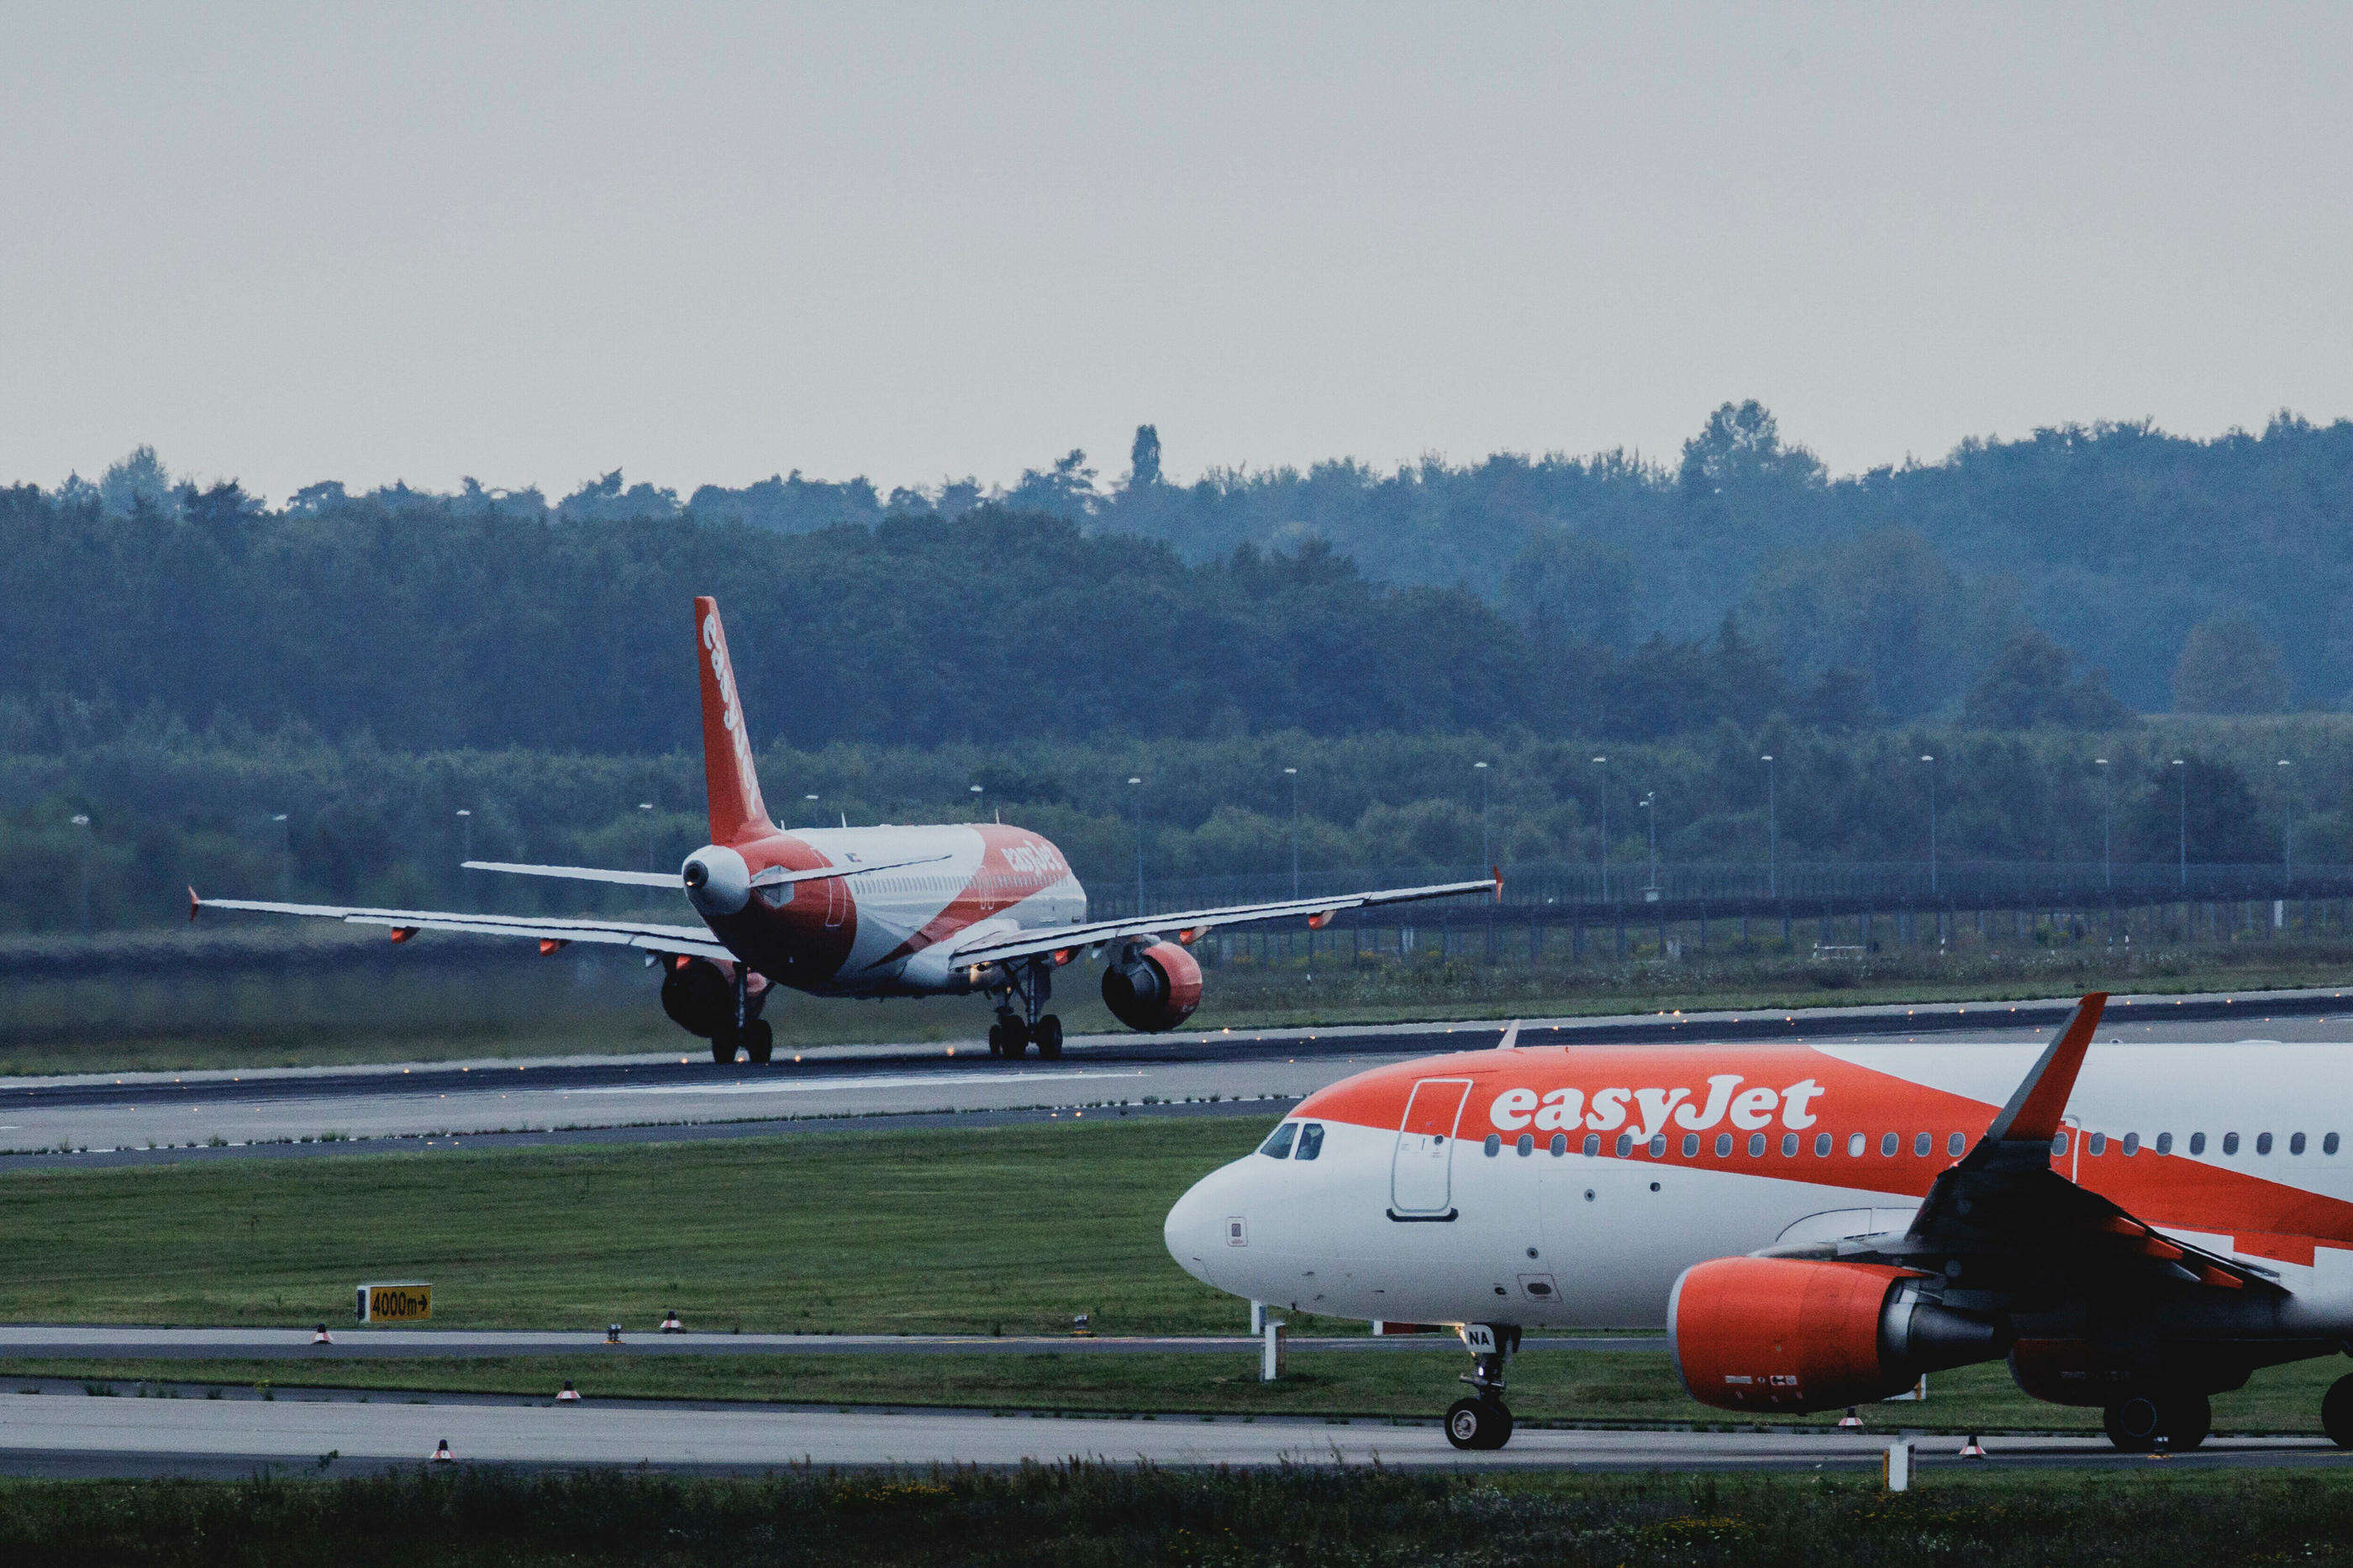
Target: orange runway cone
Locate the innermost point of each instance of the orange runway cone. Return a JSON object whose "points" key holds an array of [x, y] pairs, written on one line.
{"points": [[1849, 1418], [570, 1394], [442, 1456], [320, 1336], [1973, 1450], [670, 1325]]}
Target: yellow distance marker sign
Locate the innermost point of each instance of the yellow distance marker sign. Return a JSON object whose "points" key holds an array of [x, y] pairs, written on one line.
{"points": [[396, 1301]]}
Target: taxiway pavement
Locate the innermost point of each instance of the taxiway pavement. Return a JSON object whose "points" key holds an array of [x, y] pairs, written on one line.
{"points": [[130, 1118], [67, 1434]]}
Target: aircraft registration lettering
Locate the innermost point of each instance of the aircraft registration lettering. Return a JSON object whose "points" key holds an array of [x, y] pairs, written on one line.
{"points": [[1750, 1108]]}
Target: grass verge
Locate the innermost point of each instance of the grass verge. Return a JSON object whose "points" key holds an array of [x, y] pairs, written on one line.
{"points": [[1082, 1515]]}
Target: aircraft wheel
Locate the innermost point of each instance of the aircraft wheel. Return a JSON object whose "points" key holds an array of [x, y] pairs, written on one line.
{"points": [[2189, 1417], [1017, 1039], [722, 1048], [997, 1038], [1482, 1424], [2134, 1422], [759, 1041], [1050, 1038], [2336, 1411]]}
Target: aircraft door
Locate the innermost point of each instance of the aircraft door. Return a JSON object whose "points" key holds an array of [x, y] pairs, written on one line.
{"points": [[1421, 1170]]}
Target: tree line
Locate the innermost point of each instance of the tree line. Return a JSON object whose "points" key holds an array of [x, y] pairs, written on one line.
{"points": [[238, 811]]}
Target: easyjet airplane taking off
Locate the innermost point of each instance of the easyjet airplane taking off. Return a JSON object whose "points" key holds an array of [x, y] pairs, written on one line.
{"points": [[865, 911], [2132, 1227]]}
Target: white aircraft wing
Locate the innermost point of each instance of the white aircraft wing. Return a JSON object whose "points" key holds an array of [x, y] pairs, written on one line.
{"points": [[1002, 945], [550, 933]]}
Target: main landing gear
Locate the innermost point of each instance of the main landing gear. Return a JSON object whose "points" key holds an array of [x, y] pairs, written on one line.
{"points": [[2179, 1417], [2336, 1411], [1015, 1032], [1484, 1421], [742, 1031]]}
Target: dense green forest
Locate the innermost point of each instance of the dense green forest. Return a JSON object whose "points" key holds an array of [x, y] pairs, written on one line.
{"points": [[169, 806], [1572, 594], [306, 695]]}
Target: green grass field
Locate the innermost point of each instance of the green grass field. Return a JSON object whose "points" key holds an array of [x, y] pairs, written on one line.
{"points": [[1081, 1516], [1007, 1230]]}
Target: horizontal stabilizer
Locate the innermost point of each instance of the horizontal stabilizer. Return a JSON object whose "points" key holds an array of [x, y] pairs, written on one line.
{"points": [[579, 873]]}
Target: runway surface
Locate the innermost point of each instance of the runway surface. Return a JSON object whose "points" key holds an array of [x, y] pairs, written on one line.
{"points": [[109, 1341], [68, 1434], [136, 1118]]}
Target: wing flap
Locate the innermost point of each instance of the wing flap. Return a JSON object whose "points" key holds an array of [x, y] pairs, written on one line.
{"points": [[647, 935], [1004, 945]]}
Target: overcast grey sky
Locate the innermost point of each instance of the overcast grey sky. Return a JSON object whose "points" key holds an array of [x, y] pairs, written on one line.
{"points": [[709, 242]]}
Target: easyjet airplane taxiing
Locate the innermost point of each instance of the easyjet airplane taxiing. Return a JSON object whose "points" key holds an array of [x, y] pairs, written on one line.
{"points": [[948, 910], [2133, 1227]]}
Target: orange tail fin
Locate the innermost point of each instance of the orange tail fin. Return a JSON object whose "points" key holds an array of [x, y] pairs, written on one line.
{"points": [[737, 812]]}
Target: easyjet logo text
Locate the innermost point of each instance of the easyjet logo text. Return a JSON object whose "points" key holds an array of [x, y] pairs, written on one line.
{"points": [[1648, 1112], [1040, 859], [731, 715]]}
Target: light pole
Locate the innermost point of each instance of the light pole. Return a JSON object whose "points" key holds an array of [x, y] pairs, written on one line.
{"points": [[2107, 813], [1486, 854], [285, 856], [2184, 777], [812, 800], [466, 823], [1932, 824], [1772, 834], [1649, 803], [1604, 762], [2287, 821], [1138, 785], [1294, 773], [975, 789], [82, 822], [646, 810]]}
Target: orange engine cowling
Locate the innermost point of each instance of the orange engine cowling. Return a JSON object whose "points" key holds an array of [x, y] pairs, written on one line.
{"points": [[1156, 988], [1799, 1334]]}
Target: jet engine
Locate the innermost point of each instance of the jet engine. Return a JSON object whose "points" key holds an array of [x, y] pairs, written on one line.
{"points": [[700, 996], [1799, 1334], [1152, 988]]}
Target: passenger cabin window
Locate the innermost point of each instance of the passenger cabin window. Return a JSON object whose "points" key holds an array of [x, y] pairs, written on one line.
{"points": [[2295, 1143], [1559, 1144], [1592, 1144], [1920, 1147], [1887, 1146], [2059, 1146], [2132, 1144], [1311, 1140], [2230, 1143], [2097, 1144], [1788, 1145], [1494, 1144], [1756, 1144], [1625, 1144], [1956, 1145], [1690, 1145], [2198, 1142], [1724, 1145], [2329, 1144], [1278, 1147], [1854, 1146], [2262, 1142], [2165, 1142]]}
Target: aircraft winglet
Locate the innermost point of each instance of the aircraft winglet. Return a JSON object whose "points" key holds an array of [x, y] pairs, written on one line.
{"points": [[2035, 1110]]}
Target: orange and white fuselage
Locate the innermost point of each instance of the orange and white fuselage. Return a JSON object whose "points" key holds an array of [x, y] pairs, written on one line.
{"points": [[891, 931], [1551, 1187]]}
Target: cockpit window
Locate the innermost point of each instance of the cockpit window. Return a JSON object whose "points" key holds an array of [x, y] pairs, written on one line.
{"points": [[1279, 1146], [1311, 1140]]}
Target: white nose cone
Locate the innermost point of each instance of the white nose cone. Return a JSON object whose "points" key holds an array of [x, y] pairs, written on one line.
{"points": [[1194, 1229], [718, 882]]}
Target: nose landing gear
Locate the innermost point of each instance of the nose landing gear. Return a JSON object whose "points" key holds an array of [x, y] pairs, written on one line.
{"points": [[1483, 1421], [1014, 1033]]}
